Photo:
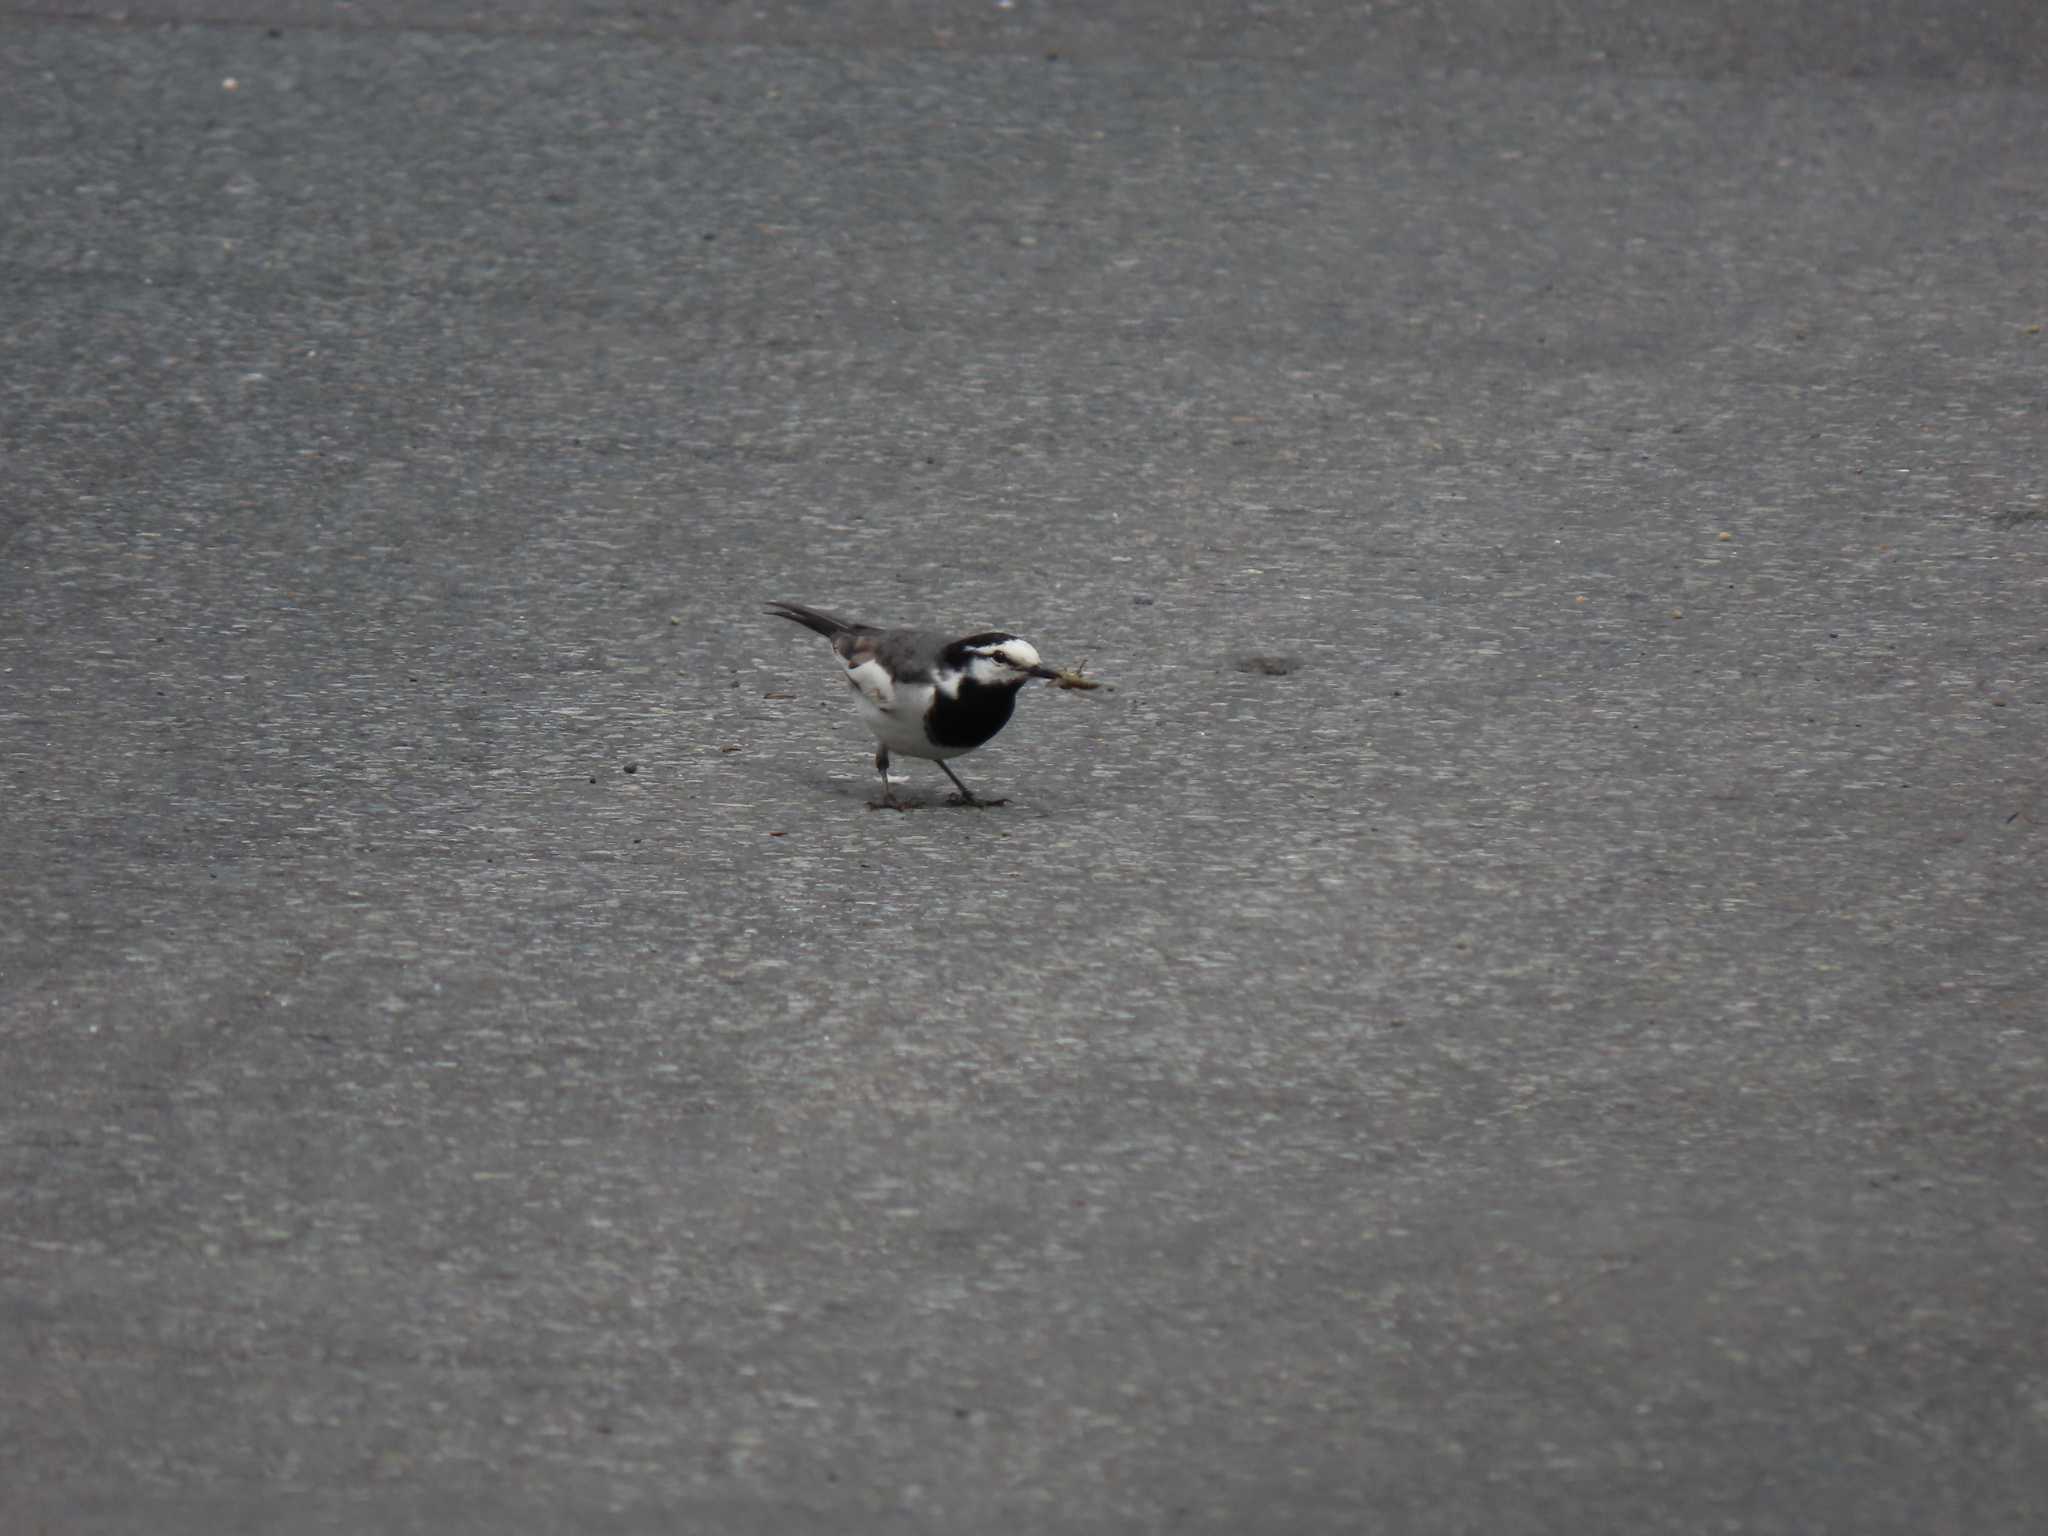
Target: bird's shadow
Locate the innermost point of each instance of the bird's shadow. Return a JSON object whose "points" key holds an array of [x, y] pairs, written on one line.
{"points": [[944, 802], [900, 800]]}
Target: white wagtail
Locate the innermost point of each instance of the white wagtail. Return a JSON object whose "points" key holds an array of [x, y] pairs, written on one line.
{"points": [[925, 695]]}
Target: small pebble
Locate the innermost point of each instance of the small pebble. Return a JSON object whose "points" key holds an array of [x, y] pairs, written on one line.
{"points": [[1269, 666]]}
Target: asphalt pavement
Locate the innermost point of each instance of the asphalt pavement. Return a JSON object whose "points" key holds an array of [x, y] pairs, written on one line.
{"points": [[1525, 1010]]}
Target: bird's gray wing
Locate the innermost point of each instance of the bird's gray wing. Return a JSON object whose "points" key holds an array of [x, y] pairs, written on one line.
{"points": [[911, 655], [890, 668]]}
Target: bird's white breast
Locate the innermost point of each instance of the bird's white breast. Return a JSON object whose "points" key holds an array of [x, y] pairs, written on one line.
{"points": [[894, 711]]}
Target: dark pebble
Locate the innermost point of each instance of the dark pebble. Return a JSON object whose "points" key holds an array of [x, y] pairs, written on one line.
{"points": [[1269, 666]]}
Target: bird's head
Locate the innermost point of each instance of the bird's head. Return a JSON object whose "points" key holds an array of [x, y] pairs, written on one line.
{"points": [[997, 659]]}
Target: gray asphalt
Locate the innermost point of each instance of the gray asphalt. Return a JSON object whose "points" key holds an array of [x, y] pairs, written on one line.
{"points": [[1524, 1011]]}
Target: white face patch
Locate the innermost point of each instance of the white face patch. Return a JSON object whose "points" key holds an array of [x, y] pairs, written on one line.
{"points": [[1001, 662], [1020, 654], [1000, 665]]}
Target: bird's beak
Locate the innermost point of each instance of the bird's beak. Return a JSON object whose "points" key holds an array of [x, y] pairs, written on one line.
{"points": [[1048, 673]]}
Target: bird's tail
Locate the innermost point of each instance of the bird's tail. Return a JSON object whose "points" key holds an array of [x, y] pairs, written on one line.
{"points": [[831, 626]]}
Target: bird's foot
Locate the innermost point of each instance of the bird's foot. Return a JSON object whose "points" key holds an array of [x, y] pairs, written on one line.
{"points": [[982, 801], [887, 803]]}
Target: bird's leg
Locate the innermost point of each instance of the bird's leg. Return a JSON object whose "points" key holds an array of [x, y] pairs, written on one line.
{"points": [[967, 796], [888, 795]]}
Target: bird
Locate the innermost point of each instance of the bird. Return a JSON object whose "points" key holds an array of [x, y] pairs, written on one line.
{"points": [[924, 695]]}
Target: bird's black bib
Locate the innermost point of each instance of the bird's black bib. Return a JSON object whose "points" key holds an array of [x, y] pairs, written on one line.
{"points": [[971, 716]]}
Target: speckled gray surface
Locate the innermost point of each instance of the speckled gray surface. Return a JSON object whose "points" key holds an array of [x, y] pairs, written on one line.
{"points": [[1566, 1055]]}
